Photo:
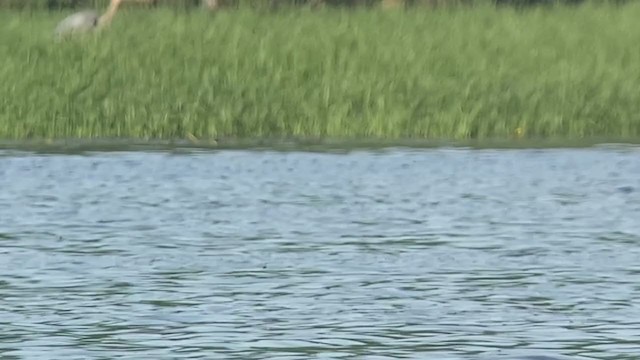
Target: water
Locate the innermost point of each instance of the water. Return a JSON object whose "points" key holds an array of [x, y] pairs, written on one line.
{"points": [[421, 254]]}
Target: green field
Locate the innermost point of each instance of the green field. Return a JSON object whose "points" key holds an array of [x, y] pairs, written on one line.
{"points": [[464, 73]]}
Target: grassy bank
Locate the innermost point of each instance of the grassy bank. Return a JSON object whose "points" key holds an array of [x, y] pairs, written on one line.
{"points": [[469, 73]]}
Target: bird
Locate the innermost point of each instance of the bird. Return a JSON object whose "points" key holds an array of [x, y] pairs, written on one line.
{"points": [[87, 20], [211, 4]]}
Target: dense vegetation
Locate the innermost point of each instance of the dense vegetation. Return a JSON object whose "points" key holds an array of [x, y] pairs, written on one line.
{"points": [[469, 72]]}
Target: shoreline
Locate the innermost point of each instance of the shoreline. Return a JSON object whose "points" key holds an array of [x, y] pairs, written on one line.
{"points": [[312, 145]]}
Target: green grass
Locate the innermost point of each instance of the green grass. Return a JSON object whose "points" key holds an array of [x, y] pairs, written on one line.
{"points": [[468, 73]]}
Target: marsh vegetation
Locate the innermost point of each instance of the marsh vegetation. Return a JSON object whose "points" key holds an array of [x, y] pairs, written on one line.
{"points": [[457, 73]]}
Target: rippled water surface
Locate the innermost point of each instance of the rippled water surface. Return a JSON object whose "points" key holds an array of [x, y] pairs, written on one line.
{"points": [[422, 254]]}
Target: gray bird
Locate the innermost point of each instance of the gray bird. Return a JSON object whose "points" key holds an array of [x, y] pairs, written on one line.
{"points": [[87, 20]]}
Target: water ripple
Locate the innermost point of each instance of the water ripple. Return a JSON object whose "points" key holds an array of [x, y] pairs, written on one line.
{"points": [[438, 254]]}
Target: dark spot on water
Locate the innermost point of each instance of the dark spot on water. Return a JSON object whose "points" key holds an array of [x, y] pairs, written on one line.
{"points": [[625, 189]]}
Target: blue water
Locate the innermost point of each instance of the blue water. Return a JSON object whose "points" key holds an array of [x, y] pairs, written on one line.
{"points": [[388, 254]]}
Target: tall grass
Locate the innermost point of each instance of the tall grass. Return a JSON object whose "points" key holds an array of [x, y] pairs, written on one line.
{"points": [[470, 73]]}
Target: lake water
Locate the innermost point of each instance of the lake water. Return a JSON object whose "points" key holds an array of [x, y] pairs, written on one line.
{"points": [[379, 254]]}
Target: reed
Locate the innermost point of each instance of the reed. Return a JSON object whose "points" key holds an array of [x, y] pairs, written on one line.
{"points": [[464, 73]]}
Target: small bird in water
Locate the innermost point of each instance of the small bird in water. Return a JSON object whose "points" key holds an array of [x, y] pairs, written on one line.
{"points": [[87, 20]]}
